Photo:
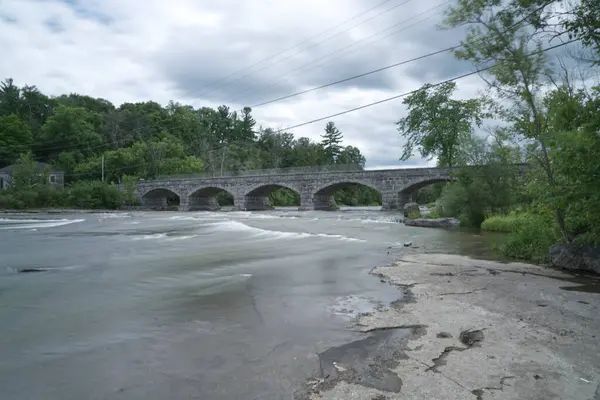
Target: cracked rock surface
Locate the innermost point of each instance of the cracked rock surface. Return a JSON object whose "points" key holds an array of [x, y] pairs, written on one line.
{"points": [[503, 344]]}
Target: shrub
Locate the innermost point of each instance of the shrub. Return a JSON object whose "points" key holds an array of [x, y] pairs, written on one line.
{"points": [[94, 194], [9, 201], [503, 223], [414, 215], [48, 196], [433, 214], [529, 236]]}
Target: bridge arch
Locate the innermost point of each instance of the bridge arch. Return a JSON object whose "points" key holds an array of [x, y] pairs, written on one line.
{"points": [[160, 198], [408, 193], [265, 196], [324, 196], [210, 198]]}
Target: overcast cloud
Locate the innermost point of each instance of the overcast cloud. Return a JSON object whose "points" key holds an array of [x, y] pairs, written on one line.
{"points": [[133, 50]]}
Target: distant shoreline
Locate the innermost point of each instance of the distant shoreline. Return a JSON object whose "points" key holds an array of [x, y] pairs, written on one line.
{"points": [[59, 211]]}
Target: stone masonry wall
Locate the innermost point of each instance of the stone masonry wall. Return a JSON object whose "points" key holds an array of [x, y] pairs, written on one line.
{"points": [[395, 187]]}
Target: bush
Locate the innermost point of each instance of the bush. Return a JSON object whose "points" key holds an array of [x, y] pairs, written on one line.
{"points": [[433, 214], [94, 194], [48, 196], [9, 201], [459, 201], [529, 236], [414, 215], [503, 223]]}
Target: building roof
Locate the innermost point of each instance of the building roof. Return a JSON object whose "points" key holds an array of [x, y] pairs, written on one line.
{"points": [[9, 169]]}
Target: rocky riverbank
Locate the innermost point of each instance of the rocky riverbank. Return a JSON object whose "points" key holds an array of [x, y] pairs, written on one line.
{"points": [[471, 329]]}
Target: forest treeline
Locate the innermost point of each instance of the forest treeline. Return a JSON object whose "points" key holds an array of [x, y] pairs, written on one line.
{"points": [[73, 132]]}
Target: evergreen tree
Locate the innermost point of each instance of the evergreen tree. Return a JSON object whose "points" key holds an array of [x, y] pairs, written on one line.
{"points": [[331, 142]]}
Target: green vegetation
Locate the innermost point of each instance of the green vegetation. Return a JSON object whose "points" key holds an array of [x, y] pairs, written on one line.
{"points": [[433, 214], [529, 235], [30, 189], [544, 114], [505, 223], [413, 215], [74, 133]]}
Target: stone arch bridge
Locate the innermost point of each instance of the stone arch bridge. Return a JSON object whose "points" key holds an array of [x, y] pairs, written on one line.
{"points": [[250, 189]]}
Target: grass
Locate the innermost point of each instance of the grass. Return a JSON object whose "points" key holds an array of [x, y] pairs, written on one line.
{"points": [[433, 214], [504, 223], [529, 236]]}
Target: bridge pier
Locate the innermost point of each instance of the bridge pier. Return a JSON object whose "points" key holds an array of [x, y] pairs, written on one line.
{"points": [[306, 202], [239, 203], [257, 203], [389, 201], [203, 203], [324, 202]]}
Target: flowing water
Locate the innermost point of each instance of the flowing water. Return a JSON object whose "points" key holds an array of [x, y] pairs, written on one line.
{"points": [[229, 305]]}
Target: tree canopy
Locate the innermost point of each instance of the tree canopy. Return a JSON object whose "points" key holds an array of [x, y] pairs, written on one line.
{"points": [[73, 132]]}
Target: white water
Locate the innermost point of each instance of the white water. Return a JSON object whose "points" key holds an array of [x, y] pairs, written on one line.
{"points": [[6, 223]]}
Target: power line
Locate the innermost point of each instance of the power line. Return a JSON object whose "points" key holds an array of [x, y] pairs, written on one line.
{"points": [[295, 46], [389, 66], [477, 71], [356, 76], [139, 129], [353, 44]]}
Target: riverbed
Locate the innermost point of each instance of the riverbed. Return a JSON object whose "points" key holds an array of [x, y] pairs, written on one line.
{"points": [[156, 305]]}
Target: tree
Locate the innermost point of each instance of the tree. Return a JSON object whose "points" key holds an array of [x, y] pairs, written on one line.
{"points": [[438, 125], [72, 132], [331, 142], [69, 128], [27, 174], [246, 126], [583, 22], [15, 139], [10, 98], [505, 39], [351, 156]]}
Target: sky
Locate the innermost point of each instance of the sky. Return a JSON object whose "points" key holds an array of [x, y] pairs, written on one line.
{"points": [[241, 53]]}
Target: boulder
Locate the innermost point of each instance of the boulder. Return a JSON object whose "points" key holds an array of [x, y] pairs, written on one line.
{"points": [[433, 223], [575, 257], [412, 210]]}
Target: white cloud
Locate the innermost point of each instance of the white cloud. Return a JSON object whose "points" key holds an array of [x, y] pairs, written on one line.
{"points": [[129, 50]]}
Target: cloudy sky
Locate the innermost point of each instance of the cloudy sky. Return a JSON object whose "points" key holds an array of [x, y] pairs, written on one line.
{"points": [[239, 53]]}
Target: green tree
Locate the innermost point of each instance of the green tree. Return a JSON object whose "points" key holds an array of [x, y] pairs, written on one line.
{"points": [[351, 155], [69, 129], [10, 98], [27, 174], [438, 125], [15, 138], [146, 140], [510, 43], [332, 139], [246, 126], [583, 22]]}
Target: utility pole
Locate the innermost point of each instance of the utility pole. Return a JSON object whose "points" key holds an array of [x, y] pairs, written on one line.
{"points": [[102, 167]]}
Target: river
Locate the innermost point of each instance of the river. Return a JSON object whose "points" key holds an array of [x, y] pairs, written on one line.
{"points": [[167, 305]]}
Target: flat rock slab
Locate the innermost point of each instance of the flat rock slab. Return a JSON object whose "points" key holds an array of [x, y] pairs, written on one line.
{"points": [[518, 331], [433, 222]]}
